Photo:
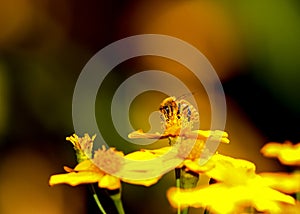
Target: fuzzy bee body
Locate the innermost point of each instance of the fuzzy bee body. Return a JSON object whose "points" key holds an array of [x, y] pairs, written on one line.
{"points": [[178, 113]]}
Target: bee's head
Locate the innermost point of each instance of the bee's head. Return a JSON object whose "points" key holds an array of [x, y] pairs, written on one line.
{"points": [[169, 108]]}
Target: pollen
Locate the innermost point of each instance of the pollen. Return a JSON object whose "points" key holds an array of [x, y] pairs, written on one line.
{"points": [[86, 144], [190, 149]]}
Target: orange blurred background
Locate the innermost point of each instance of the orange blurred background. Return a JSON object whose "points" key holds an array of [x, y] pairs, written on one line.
{"points": [[254, 47]]}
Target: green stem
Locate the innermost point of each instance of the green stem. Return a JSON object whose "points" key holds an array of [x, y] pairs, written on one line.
{"points": [[95, 196], [178, 186], [185, 211], [177, 176], [118, 202], [187, 179]]}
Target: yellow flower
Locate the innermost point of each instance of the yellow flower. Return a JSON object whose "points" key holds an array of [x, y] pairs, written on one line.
{"points": [[93, 170], [237, 187], [287, 153], [108, 167], [190, 147], [84, 173]]}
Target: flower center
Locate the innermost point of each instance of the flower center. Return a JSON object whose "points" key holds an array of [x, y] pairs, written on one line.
{"points": [[86, 144], [108, 160], [190, 149]]}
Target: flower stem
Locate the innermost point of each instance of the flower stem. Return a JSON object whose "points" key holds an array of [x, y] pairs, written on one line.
{"points": [[188, 180], [177, 177], [95, 196], [118, 202], [206, 211], [185, 211]]}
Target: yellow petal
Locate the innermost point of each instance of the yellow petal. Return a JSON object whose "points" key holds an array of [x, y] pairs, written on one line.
{"points": [[140, 155], [230, 170], [217, 134], [193, 165], [109, 182], [146, 154], [146, 167], [86, 165], [68, 169], [290, 156], [271, 149], [84, 172], [143, 172], [266, 199], [287, 153], [140, 134], [146, 182], [213, 197], [160, 151], [75, 178], [284, 182], [221, 198]]}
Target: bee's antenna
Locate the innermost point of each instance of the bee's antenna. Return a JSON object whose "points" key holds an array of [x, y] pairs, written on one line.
{"points": [[187, 94]]}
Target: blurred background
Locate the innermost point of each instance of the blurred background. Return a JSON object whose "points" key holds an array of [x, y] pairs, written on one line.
{"points": [[253, 46]]}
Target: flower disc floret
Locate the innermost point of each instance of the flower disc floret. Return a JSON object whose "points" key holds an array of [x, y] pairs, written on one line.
{"points": [[108, 160]]}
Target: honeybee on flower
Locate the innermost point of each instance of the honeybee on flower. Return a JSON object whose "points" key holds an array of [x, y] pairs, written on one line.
{"points": [[177, 114], [187, 146], [179, 117]]}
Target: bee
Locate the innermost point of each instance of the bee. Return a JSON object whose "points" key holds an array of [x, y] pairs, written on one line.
{"points": [[178, 113]]}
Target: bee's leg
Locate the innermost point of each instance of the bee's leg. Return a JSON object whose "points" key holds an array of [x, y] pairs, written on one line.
{"points": [[178, 110], [172, 140]]}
